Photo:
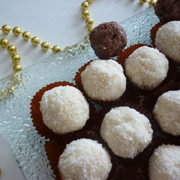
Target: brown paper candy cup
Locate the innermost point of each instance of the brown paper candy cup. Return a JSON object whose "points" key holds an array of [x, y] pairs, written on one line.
{"points": [[154, 31], [55, 148], [129, 94], [150, 100], [78, 76], [127, 52], [126, 168], [36, 114]]}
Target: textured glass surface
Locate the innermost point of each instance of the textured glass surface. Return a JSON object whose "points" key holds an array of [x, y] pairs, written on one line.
{"points": [[15, 122]]}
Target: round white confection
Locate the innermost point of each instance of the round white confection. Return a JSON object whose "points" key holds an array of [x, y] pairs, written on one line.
{"points": [[84, 159], [126, 131], [167, 112], [168, 40], [64, 109], [146, 67], [164, 163], [104, 80]]}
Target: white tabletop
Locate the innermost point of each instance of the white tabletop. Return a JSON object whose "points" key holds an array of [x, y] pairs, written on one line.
{"points": [[57, 22]]}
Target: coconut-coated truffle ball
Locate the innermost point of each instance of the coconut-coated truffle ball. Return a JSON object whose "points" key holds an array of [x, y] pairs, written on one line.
{"points": [[167, 40], [108, 40], [84, 159], [146, 68], [167, 112], [126, 131], [167, 10], [64, 109], [164, 163], [104, 80]]}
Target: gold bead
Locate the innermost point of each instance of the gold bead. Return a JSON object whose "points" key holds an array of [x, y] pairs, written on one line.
{"points": [[35, 41], [56, 49], [17, 68], [85, 5], [89, 1], [85, 14], [16, 31], [152, 3], [45, 46], [86, 37], [12, 49], [26, 35], [67, 47], [6, 29], [11, 89], [142, 1], [89, 22], [90, 29], [16, 58], [4, 42]]}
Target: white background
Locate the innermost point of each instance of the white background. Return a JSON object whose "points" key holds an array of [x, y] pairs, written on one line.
{"points": [[58, 22]]}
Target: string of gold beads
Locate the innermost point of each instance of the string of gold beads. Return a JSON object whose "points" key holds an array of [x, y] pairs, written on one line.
{"points": [[26, 36], [85, 14], [12, 50], [151, 2], [89, 21]]}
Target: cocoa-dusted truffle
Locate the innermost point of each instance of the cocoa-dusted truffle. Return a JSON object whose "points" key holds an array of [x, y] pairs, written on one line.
{"points": [[167, 10], [108, 40]]}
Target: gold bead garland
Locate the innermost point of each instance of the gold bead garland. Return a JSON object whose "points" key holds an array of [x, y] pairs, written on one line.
{"points": [[89, 21], [12, 50], [26, 36], [45, 46], [17, 79], [85, 14], [151, 2]]}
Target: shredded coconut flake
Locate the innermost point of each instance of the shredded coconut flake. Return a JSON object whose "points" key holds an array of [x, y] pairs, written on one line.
{"points": [[146, 67], [104, 80], [164, 163], [84, 159], [168, 40], [126, 131], [64, 109], [167, 112]]}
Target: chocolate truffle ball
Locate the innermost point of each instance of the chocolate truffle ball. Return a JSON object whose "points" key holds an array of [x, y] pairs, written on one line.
{"points": [[108, 40], [167, 10]]}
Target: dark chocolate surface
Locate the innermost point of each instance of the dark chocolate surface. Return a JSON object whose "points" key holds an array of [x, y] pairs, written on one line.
{"points": [[167, 10], [108, 40]]}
